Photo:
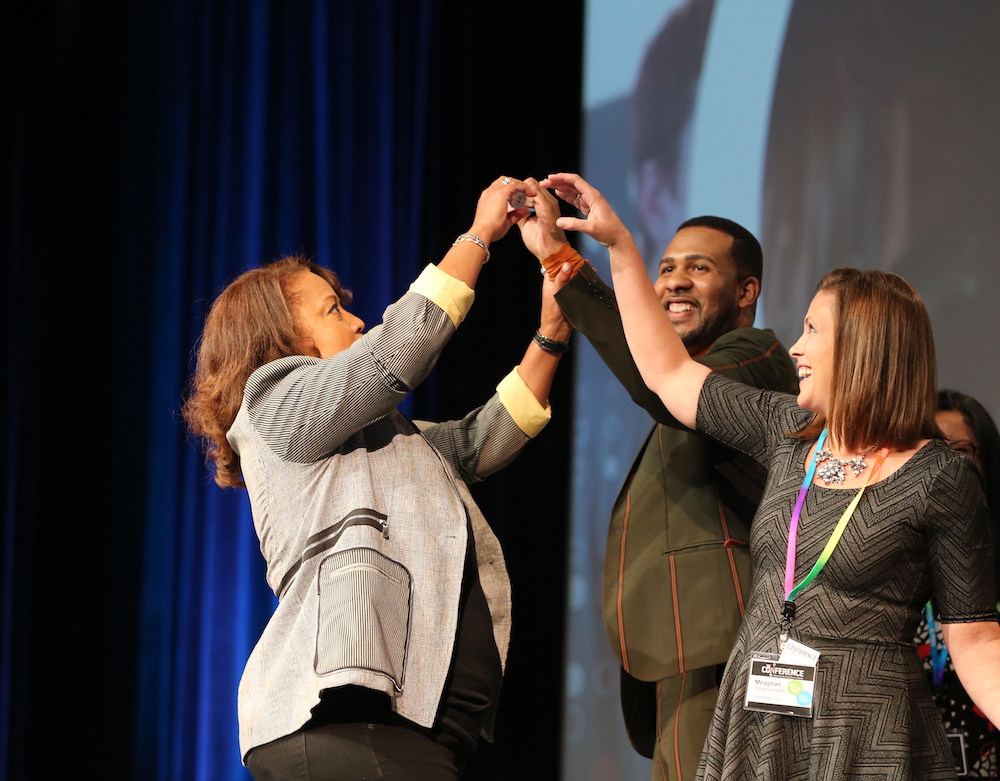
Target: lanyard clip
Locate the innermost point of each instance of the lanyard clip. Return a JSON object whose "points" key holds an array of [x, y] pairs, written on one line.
{"points": [[788, 611]]}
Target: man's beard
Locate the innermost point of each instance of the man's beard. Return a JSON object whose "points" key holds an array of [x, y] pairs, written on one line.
{"points": [[702, 335]]}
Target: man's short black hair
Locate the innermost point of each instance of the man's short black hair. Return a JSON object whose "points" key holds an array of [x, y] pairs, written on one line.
{"points": [[745, 251]]}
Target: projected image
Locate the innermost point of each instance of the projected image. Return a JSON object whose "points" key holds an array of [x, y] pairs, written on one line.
{"points": [[883, 154], [876, 149]]}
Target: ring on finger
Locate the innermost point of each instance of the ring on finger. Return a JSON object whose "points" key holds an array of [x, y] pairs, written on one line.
{"points": [[505, 180], [579, 197]]}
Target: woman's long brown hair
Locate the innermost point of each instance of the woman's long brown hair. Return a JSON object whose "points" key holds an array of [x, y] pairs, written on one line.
{"points": [[250, 324]]}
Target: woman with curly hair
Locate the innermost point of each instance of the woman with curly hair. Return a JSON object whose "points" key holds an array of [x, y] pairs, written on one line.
{"points": [[385, 653]]}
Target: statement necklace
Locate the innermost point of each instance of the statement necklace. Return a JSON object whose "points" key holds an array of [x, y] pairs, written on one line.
{"points": [[833, 470]]}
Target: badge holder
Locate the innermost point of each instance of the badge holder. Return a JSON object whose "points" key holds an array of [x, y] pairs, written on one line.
{"points": [[783, 683], [778, 687]]}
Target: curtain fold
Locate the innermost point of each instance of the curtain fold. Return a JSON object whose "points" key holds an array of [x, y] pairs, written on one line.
{"points": [[288, 128]]}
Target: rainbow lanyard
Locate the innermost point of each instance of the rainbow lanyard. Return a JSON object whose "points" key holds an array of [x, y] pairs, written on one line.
{"points": [[838, 532]]}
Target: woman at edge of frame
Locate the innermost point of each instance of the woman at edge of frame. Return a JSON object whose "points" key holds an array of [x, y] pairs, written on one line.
{"points": [[968, 428]]}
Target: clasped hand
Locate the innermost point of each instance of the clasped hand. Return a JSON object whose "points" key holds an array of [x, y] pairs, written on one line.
{"points": [[600, 222], [494, 215]]}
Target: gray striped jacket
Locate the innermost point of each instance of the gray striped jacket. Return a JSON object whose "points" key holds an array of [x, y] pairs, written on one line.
{"points": [[361, 515]]}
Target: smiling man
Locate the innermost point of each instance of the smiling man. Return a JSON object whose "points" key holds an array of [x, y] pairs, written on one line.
{"points": [[677, 566], [706, 290]]}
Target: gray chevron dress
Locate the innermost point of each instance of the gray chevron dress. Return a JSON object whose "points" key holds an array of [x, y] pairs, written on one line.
{"points": [[922, 530]]}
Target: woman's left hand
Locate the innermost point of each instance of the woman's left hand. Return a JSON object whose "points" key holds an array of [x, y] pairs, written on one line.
{"points": [[600, 220], [494, 215]]}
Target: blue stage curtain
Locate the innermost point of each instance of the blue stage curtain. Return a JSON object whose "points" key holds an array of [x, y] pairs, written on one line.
{"points": [[284, 126], [153, 152]]}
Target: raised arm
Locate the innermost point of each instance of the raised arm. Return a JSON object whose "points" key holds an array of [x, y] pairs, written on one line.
{"points": [[589, 306], [493, 219], [541, 359], [975, 651], [488, 439], [657, 350], [491, 223]]}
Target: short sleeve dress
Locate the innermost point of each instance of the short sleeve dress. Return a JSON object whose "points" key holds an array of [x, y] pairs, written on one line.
{"points": [[922, 529]]}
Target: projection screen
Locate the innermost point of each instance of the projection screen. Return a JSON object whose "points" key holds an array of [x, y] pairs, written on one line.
{"points": [[858, 133]]}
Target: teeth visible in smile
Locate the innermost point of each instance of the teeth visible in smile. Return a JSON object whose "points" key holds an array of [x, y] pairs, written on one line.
{"points": [[804, 372], [680, 307]]}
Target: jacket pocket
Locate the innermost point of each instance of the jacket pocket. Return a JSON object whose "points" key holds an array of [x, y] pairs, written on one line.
{"points": [[364, 614]]}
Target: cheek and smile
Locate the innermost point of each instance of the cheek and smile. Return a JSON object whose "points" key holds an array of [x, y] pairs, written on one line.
{"points": [[686, 313], [810, 397], [813, 353], [700, 310]]}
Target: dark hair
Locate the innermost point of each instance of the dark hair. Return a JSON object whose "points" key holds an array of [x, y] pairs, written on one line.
{"points": [[988, 445], [250, 324], [746, 251], [663, 100], [884, 388]]}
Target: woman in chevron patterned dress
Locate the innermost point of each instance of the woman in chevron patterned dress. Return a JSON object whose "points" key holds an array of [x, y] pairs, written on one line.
{"points": [[865, 514], [968, 428]]}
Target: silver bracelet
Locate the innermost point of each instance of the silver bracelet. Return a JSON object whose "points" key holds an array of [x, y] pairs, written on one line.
{"points": [[553, 346], [475, 240]]}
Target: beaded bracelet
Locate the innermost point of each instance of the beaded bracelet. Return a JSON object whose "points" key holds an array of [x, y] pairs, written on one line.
{"points": [[475, 240], [553, 346]]}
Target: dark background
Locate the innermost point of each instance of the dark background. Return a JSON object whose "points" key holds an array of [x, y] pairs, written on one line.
{"points": [[108, 265]]}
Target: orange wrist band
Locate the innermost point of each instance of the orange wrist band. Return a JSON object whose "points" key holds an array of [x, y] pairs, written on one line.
{"points": [[565, 254]]}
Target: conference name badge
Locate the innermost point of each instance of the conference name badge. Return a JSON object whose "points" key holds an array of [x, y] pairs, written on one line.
{"points": [[780, 687]]}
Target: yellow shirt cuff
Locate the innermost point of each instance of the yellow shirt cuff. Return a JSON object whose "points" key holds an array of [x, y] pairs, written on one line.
{"points": [[452, 295], [530, 416]]}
